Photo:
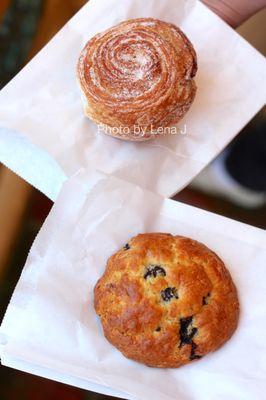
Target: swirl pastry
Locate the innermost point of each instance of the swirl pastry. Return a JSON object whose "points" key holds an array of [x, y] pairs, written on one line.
{"points": [[137, 78]]}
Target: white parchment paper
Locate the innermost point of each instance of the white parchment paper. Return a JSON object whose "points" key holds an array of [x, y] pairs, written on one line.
{"points": [[51, 329], [42, 104]]}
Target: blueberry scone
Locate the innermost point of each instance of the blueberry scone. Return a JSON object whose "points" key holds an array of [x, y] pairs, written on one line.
{"points": [[166, 300]]}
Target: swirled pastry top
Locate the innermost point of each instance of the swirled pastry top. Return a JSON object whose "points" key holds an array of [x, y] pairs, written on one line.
{"points": [[166, 300], [140, 72]]}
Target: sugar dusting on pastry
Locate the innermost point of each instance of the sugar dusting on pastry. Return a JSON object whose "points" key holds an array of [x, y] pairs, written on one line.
{"points": [[139, 66], [127, 66]]}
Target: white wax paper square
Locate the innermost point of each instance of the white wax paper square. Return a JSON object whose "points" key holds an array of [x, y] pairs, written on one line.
{"points": [[51, 328], [42, 104]]}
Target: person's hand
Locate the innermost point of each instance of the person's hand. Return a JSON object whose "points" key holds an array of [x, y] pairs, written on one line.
{"points": [[234, 12]]}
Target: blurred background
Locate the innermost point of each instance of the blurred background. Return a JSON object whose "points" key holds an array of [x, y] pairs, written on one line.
{"points": [[25, 27]]}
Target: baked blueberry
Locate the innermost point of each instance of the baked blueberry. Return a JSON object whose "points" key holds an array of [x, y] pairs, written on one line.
{"points": [[169, 293], [193, 355], [153, 271], [187, 331]]}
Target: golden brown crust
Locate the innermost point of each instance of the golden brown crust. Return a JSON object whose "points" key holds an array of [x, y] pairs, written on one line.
{"points": [[138, 73], [166, 300]]}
